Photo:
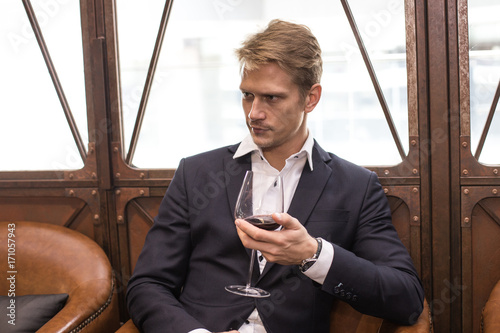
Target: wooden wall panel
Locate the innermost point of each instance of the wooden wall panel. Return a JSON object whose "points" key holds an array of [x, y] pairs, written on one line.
{"points": [[139, 224], [73, 213]]}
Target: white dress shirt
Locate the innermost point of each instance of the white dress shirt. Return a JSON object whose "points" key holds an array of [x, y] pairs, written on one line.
{"points": [[290, 175]]}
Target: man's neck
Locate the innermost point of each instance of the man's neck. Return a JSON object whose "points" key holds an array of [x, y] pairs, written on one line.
{"points": [[277, 162], [277, 157]]}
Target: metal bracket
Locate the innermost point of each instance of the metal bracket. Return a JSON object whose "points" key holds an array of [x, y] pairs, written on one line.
{"points": [[123, 196], [471, 195], [90, 196]]}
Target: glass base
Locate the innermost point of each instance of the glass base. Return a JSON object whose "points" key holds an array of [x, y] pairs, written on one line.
{"points": [[248, 291]]}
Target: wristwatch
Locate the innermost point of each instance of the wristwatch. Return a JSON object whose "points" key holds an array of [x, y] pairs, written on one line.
{"points": [[307, 263]]}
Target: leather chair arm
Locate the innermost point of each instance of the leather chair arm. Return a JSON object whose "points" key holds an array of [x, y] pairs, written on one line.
{"points": [[490, 319], [128, 327], [99, 310]]}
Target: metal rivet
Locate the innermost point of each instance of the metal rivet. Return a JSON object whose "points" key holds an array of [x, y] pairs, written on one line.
{"points": [[120, 218], [94, 176], [413, 142], [115, 149], [386, 190], [141, 193], [71, 193], [71, 176], [464, 144], [117, 192], [495, 171], [466, 191], [386, 172], [142, 175], [415, 190], [415, 171], [415, 218], [494, 191], [465, 172], [96, 217], [94, 192], [117, 175], [466, 220]]}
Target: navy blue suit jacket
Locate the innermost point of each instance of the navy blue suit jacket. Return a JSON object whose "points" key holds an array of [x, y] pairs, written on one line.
{"points": [[193, 251]]}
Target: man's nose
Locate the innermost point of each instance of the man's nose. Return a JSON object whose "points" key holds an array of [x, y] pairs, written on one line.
{"points": [[256, 112]]}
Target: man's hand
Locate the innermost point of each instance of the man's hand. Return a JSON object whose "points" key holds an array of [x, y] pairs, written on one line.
{"points": [[288, 246]]}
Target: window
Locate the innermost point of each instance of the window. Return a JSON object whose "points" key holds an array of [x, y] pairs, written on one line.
{"points": [[33, 128], [195, 103], [484, 67]]}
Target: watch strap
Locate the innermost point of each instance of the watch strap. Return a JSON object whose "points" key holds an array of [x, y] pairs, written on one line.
{"points": [[307, 263]]}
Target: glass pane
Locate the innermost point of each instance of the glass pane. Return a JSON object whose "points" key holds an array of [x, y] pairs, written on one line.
{"points": [[484, 66], [33, 128], [195, 104]]}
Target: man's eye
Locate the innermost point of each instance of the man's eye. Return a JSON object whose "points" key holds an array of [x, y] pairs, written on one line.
{"points": [[272, 98], [246, 95]]}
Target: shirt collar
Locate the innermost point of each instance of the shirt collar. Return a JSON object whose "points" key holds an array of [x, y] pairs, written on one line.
{"points": [[247, 146]]}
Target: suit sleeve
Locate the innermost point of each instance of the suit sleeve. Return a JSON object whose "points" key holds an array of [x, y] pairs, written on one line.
{"points": [[376, 274], [153, 290]]}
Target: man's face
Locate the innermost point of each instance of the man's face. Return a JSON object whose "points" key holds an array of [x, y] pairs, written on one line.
{"points": [[274, 109]]}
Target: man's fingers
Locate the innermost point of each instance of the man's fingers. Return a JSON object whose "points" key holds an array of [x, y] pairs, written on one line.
{"points": [[287, 221], [246, 228]]}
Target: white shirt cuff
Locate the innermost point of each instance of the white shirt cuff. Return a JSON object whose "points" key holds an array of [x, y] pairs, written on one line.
{"points": [[320, 269]]}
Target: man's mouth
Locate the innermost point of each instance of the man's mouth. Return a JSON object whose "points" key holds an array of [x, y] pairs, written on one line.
{"points": [[258, 129]]}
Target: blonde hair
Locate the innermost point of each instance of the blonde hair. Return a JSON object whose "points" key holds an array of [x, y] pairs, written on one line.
{"points": [[292, 46]]}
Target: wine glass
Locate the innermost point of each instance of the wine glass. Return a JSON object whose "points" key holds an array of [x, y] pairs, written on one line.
{"points": [[257, 207]]}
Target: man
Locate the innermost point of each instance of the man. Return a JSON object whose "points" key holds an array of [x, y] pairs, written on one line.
{"points": [[336, 242]]}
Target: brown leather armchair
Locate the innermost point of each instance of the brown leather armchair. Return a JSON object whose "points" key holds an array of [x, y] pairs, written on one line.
{"points": [[490, 319], [52, 259], [344, 319]]}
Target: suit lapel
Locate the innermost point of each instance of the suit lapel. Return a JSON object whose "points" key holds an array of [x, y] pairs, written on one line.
{"points": [[310, 187]]}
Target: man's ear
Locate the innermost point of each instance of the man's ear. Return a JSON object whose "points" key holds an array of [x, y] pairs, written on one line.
{"points": [[313, 97]]}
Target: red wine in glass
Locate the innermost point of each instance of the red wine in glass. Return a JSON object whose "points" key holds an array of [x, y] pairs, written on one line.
{"points": [[265, 222]]}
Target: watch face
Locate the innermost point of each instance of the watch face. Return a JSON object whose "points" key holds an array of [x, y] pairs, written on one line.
{"points": [[307, 265]]}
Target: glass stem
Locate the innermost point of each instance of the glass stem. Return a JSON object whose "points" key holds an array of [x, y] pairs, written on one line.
{"points": [[250, 269]]}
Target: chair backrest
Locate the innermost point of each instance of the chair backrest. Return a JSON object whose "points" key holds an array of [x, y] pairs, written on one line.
{"points": [[51, 259], [490, 317]]}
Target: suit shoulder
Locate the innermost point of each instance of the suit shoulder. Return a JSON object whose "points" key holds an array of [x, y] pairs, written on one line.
{"points": [[212, 154], [344, 166], [209, 160]]}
